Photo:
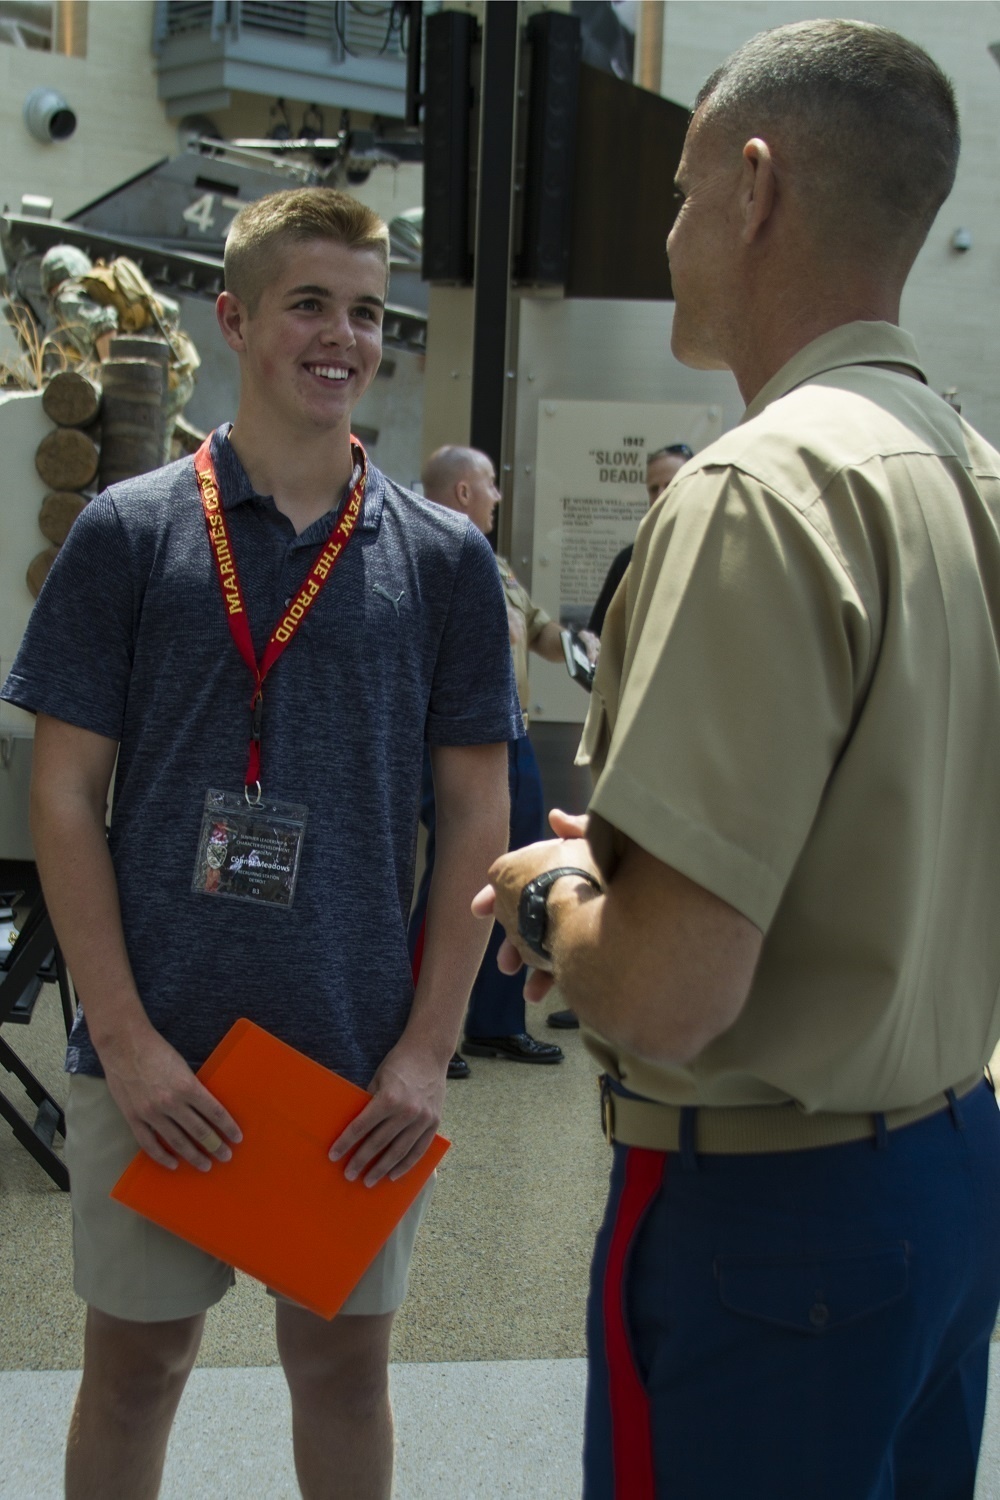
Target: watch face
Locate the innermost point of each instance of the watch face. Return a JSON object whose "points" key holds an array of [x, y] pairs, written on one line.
{"points": [[533, 910], [532, 916]]}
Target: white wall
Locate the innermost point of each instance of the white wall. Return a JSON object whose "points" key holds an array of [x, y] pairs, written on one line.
{"points": [[23, 424], [121, 125], [951, 304]]}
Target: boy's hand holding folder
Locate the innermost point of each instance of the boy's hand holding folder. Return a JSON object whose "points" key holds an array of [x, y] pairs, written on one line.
{"points": [[171, 1113], [282, 1210], [398, 1124]]}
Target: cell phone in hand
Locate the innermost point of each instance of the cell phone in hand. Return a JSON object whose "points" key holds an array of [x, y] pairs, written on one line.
{"points": [[578, 663]]}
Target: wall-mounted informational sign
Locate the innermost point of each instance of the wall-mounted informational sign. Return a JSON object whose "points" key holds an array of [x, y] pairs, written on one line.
{"points": [[590, 495]]}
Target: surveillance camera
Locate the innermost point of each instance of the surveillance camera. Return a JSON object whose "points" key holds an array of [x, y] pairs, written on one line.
{"points": [[48, 116]]}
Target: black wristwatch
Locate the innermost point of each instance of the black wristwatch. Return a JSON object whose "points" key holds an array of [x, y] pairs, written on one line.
{"points": [[533, 908]]}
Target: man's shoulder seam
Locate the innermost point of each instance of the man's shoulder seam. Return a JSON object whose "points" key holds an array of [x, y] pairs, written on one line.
{"points": [[805, 512]]}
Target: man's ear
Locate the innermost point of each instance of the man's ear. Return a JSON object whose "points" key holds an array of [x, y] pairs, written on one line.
{"points": [[758, 188], [232, 316], [463, 494]]}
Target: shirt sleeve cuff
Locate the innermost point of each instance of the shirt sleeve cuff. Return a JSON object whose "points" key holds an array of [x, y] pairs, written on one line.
{"points": [[723, 868], [456, 730]]}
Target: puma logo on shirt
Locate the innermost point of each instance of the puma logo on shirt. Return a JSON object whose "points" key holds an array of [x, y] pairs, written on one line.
{"points": [[384, 594]]}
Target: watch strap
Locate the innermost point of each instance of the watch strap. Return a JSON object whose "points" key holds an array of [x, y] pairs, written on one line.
{"points": [[532, 907]]}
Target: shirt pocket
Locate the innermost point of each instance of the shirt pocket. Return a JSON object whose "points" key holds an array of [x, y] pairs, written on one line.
{"points": [[814, 1294]]}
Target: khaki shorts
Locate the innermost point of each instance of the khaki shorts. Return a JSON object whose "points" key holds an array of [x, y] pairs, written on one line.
{"points": [[125, 1266]]}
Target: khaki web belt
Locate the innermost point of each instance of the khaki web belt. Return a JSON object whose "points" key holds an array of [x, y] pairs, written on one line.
{"points": [[746, 1131]]}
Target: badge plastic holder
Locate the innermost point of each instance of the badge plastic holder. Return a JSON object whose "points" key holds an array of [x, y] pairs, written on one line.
{"points": [[249, 850]]}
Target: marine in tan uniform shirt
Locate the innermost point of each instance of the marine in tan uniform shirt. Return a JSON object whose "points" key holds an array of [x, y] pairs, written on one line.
{"points": [[527, 621], [791, 706], [790, 966]]}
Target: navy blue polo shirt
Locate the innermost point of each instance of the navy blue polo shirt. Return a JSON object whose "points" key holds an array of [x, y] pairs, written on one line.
{"points": [[406, 644]]}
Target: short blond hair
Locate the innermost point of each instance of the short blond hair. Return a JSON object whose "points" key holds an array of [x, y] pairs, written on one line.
{"points": [[261, 229]]}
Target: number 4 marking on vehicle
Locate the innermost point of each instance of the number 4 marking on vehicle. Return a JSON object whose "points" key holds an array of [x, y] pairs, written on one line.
{"points": [[200, 212]]}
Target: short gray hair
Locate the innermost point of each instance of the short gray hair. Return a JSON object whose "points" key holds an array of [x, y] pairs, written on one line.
{"points": [[447, 466], [874, 114]]}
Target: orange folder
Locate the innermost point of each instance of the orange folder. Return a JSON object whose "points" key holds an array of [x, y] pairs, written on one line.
{"points": [[280, 1210]]}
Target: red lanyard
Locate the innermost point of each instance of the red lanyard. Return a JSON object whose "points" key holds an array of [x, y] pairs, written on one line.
{"points": [[232, 593]]}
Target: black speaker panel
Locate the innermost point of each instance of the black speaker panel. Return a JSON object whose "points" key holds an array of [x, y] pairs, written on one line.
{"points": [[550, 154], [449, 39]]}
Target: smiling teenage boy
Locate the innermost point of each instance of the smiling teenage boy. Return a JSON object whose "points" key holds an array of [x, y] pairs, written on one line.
{"points": [[270, 633]]}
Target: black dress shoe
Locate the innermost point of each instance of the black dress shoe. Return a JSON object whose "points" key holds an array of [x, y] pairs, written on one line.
{"points": [[518, 1048], [563, 1020], [458, 1067]]}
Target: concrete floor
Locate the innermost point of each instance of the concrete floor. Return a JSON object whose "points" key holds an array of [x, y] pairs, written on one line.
{"points": [[488, 1374], [471, 1431], [231, 1440]]}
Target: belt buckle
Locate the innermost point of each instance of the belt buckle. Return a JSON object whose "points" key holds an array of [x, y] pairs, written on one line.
{"points": [[607, 1109]]}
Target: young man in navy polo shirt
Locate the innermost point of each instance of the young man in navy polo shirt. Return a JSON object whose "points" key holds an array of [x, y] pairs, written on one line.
{"points": [[271, 632]]}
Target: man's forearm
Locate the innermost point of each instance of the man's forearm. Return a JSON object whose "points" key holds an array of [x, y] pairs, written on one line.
{"points": [[395, 1128], [472, 820], [82, 898], [655, 963], [593, 958], [454, 941], [587, 961], [170, 1113], [548, 642]]}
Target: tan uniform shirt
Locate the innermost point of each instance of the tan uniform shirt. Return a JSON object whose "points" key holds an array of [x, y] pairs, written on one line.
{"points": [[798, 706], [526, 620]]}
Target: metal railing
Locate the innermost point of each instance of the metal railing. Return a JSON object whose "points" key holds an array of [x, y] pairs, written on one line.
{"points": [[348, 27]]}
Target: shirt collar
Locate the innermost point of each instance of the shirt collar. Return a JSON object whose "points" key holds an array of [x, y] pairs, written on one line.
{"points": [[850, 344], [236, 488]]}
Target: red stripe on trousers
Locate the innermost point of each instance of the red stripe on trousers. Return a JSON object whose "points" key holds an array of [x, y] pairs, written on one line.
{"points": [[418, 950], [631, 1420]]}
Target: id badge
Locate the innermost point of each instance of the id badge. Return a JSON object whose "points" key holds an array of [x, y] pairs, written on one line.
{"points": [[249, 852]]}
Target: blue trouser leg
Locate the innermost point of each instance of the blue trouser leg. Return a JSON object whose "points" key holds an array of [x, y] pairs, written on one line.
{"points": [[496, 1004], [807, 1325]]}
